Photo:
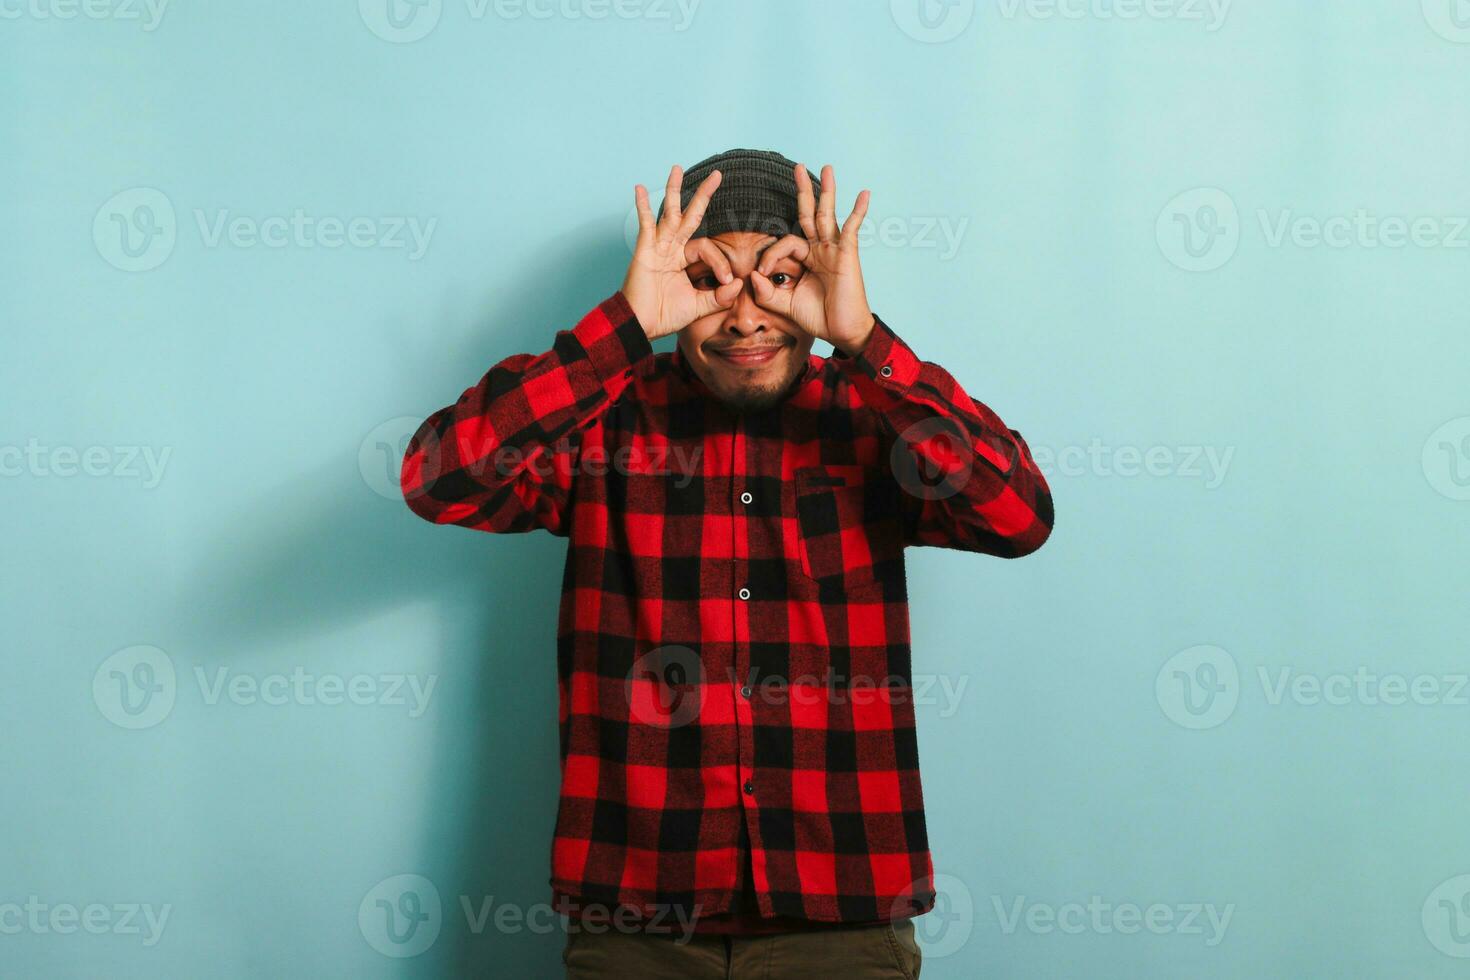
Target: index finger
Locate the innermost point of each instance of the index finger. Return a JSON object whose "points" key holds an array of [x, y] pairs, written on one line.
{"points": [[704, 250], [694, 214]]}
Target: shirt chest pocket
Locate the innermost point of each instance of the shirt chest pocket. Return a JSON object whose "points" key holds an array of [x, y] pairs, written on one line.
{"points": [[848, 532]]}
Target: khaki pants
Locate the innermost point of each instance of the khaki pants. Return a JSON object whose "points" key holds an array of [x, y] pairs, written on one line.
{"points": [[886, 951]]}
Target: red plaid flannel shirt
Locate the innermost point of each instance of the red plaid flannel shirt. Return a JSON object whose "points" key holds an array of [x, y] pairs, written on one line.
{"points": [[734, 629]]}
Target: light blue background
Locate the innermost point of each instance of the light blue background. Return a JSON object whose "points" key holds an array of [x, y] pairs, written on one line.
{"points": [[279, 380]]}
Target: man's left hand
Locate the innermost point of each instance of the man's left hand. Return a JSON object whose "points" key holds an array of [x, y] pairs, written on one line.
{"points": [[829, 301]]}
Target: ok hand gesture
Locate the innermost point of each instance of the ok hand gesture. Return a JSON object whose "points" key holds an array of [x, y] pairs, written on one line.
{"points": [[829, 301], [657, 287]]}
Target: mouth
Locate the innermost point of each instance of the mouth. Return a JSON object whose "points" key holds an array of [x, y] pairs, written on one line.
{"points": [[749, 357]]}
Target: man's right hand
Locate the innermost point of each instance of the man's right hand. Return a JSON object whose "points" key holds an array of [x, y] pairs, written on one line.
{"points": [[657, 287]]}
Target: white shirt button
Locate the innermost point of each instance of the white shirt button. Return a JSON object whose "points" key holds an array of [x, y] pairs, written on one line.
{"points": [[744, 593], [746, 497]]}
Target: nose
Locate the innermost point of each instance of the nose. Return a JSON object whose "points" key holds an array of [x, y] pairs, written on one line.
{"points": [[746, 318]]}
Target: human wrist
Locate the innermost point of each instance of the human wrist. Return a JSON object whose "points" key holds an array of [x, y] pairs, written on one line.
{"points": [[854, 347]]}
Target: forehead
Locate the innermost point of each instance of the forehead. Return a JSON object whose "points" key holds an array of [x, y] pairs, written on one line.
{"points": [[743, 244]]}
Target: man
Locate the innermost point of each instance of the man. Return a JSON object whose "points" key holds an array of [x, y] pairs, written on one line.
{"points": [[739, 768]]}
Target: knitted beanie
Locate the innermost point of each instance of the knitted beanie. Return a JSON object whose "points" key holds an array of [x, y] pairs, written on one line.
{"points": [[757, 192]]}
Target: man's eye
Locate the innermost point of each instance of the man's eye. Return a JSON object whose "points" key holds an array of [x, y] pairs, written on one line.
{"points": [[706, 281], [780, 278]]}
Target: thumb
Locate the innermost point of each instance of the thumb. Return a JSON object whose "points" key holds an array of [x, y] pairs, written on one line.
{"points": [[720, 298]]}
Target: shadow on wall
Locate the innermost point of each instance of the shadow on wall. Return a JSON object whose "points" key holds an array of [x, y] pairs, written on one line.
{"points": [[326, 552]]}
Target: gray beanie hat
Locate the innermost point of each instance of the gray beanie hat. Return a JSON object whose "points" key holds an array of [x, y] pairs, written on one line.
{"points": [[757, 192]]}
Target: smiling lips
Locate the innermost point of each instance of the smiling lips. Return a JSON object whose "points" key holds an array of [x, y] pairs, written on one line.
{"points": [[753, 356]]}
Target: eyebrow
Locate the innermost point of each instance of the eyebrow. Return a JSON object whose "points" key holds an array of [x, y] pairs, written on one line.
{"points": [[769, 241]]}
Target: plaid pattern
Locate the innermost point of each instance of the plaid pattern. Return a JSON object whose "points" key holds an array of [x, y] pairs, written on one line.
{"points": [[734, 628]]}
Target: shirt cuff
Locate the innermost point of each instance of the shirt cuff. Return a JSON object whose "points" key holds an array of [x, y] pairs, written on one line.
{"points": [[613, 338], [886, 359]]}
